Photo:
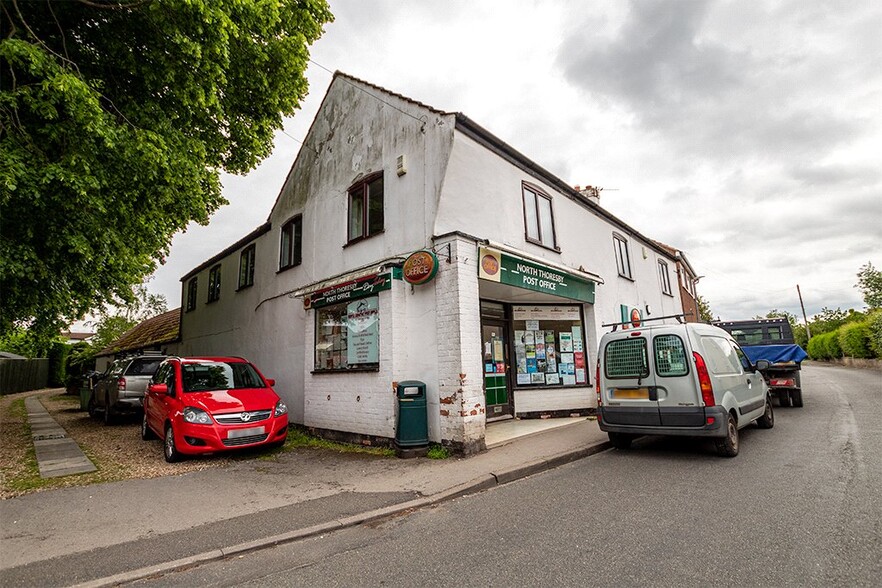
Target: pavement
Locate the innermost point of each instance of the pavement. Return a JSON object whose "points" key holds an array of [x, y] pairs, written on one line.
{"points": [[57, 455], [119, 532]]}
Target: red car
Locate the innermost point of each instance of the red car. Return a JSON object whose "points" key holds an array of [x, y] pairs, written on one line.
{"points": [[209, 404]]}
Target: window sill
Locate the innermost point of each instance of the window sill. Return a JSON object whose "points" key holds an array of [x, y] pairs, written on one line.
{"points": [[556, 249], [360, 239], [345, 371], [627, 278], [668, 294], [567, 387], [245, 287], [288, 267], [212, 301]]}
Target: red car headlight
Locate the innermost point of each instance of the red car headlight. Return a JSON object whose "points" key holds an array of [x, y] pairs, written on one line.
{"points": [[281, 409], [196, 416]]}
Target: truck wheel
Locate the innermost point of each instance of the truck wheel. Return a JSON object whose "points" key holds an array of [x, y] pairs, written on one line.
{"points": [[784, 397], [796, 395], [108, 414], [728, 445], [620, 440], [767, 421]]}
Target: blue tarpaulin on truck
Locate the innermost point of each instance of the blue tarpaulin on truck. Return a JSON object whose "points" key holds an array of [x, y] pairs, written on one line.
{"points": [[775, 353]]}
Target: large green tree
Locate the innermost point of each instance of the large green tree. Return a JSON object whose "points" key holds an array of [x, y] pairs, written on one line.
{"points": [[116, 119], [870, 285]]}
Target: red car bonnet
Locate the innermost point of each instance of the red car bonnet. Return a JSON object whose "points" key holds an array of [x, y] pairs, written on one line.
{"points": [[232, 400]]}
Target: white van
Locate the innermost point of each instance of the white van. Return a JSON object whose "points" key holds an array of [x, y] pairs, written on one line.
{"points": [[684, 379]]}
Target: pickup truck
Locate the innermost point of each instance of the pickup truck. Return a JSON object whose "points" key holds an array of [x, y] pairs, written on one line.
{"points": [[772, 340]]}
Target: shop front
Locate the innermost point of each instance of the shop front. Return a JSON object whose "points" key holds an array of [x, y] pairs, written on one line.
{"points": [[533, 326]]}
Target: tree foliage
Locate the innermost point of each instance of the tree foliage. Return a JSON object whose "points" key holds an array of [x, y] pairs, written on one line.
{"points": [[705, 314], [870, 285], [116, 119]]}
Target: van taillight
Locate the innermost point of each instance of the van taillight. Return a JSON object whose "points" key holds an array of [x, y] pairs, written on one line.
{"points": [[121, 383], [597, 384], [707, 389]]}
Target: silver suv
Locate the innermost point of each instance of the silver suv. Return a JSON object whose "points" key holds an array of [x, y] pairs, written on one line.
{"points": [[687, 379], [120, 389]]}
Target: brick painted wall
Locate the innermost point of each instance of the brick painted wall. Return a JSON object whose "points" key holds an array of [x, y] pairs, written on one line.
{"points": [[461, 395]]}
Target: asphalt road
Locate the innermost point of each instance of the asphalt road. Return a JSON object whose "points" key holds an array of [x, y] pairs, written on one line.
{"points": [[800, 506]]}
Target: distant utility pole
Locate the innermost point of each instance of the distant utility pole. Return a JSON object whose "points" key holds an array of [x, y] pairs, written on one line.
{"points": [[805, 318]]}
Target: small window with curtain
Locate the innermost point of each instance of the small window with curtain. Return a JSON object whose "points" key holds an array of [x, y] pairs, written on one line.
{"points": [[192, 286], [623, 259], [214, 283], [291, 243], [246, 267], [366, 213], [665, 277], [538, 217]]}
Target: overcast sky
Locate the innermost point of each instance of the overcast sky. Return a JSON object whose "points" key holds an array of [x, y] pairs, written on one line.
{"points": [[747, 134]]}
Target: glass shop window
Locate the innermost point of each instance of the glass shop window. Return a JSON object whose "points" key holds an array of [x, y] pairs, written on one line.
{"points": [[347, 336], [549, 346]]}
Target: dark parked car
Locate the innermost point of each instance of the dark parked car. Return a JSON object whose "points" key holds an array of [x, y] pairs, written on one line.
{"points": [[120, 389]]}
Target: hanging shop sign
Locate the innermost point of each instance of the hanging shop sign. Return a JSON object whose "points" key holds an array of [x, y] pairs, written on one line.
{"points": [[497, 266], [352, 290], [630, 315], [420, 267]]}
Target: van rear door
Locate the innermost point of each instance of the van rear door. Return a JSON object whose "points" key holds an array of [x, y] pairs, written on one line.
{"points": [[628, 388], [677, 388]]}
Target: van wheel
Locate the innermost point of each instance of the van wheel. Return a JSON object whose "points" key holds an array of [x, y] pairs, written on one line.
{"points": [[169, 448], [767, 421], [620, 440], [796, 396], [728, 445]]}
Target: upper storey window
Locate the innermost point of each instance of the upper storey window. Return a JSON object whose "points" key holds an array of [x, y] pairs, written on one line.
{"points": [[623, 260], [538, 217], [366, 208], [291, 243]]}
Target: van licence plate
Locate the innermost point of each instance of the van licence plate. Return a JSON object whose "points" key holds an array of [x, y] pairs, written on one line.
{"points": [[632, 393], [237, 433]]}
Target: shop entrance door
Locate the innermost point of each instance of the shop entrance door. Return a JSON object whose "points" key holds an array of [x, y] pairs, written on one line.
{"points": [[497, 389]]}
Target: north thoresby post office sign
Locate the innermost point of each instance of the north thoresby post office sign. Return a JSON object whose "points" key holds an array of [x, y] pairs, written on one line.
{"points": [[497, 266], [347, 291]]}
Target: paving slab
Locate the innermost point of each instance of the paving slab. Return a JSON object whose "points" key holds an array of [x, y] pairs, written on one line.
{"points": [[57, 455]]}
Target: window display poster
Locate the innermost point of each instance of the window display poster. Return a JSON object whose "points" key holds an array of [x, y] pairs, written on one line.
{"points": [[566, 341], [532, 325], [567, 358], [537, 378], [568, 380], [523, 379], [363, 323], [549, 337], [577, 338], [540, 350], [552, 378], [580, 376], [579, 359], [531, 365], [550, 366], [529, 337]]}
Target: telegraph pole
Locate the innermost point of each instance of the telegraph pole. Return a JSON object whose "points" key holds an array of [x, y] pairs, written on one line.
{"points": [[807, 331]]}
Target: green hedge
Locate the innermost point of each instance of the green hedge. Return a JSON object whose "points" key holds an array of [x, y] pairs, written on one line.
{"points": [[825, 346], [854, 339], [874, 324], [857, 339], [57, 363]]}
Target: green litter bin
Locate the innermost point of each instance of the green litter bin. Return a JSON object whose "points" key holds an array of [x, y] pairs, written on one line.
{"points": [[412, 430], [85, 392]]}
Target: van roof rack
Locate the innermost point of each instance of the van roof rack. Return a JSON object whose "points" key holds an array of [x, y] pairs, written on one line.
{"points": [[680, 319]]}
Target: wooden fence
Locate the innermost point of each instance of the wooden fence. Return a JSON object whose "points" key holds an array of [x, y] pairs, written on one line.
{"points": [[20, 375]]}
